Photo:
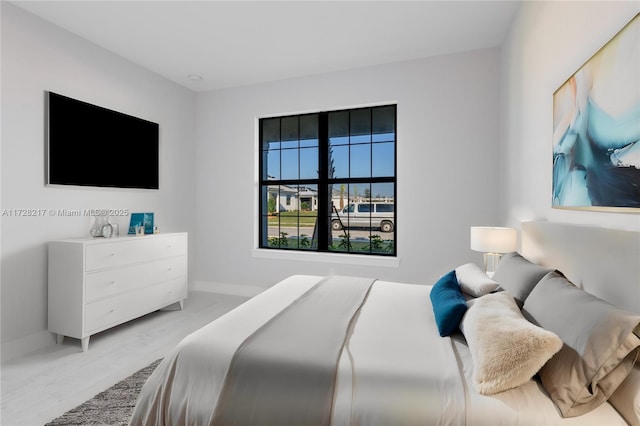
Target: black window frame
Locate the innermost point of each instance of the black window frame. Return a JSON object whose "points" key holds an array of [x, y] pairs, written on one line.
{"points": [[323, 182]]}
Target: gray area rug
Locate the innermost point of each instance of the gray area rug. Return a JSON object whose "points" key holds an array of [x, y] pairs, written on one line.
{"points": [[111, 407]]}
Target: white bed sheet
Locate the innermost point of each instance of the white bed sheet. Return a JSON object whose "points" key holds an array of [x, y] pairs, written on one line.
{"points": [[395, 368], [387, 374]]}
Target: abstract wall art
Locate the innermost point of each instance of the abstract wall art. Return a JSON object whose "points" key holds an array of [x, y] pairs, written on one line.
{"points": [[596, 129]]}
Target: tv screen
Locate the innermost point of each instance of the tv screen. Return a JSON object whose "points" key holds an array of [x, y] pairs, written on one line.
{"points": [[88, 145]]}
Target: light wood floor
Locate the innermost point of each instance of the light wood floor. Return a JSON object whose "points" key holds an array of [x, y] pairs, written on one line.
{"points": [[43, 385]]}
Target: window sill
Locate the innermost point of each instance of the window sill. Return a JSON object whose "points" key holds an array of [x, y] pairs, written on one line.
{"points": [[344, 259]]}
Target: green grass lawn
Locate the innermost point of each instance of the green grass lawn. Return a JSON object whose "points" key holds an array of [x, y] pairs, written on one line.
{"points": [[291, 218]]}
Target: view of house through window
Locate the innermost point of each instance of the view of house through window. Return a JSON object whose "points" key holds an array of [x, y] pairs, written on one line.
{"points": [[328, 181]]}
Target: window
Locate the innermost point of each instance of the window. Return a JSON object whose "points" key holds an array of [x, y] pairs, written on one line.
{"points": [[328, 181], [384, 208], [364, 208]]}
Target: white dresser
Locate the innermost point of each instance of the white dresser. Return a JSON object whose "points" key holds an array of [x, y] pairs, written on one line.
{"points": [[98, 283]]}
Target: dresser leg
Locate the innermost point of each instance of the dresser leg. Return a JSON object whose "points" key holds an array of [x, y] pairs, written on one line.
{"points": [[175, 306], [59, 338], [85, 344]]}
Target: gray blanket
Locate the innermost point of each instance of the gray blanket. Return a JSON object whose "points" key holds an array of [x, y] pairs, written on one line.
{"points": [[284, 373]]}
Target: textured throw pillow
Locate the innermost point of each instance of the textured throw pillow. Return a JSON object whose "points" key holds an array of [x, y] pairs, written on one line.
{"points": [[506, 349], [448, 304], [518, 276], [600, 346], [626, 399], [474, 281]]}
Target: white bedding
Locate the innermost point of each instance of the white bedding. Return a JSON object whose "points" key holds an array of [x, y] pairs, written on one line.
{"points": [[394, 369], [387, 373]]}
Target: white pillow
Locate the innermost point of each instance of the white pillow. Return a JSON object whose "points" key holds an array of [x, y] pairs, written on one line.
{"points": [[474, 281], [506, 349]]}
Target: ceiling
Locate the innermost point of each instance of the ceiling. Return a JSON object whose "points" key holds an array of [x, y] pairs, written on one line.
{"points": [[236, 43]]}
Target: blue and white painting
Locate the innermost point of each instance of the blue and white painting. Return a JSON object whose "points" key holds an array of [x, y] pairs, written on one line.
{"points": [[596, 129], [141, 219]]}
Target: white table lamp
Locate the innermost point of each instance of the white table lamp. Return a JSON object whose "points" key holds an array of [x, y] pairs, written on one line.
{"points": [[493, 242]]}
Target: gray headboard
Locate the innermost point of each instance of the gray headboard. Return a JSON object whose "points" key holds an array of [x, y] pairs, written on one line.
{"points": [[604, 262]]}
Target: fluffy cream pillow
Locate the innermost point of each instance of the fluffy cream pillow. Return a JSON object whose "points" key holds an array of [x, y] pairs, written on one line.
{"points": [[506, 349], [474, 281]]}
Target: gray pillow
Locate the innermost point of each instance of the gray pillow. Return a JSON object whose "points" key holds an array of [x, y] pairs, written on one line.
{"points": [[626, 399], [518, 276], [600, 344]]}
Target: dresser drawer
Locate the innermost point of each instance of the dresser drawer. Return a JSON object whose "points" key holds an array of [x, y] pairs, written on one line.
{"points": [[128, 251], [109, 282], [108, 312]]}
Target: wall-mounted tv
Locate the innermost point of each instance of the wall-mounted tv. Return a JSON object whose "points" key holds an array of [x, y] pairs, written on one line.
{"points": [[88, 145]]}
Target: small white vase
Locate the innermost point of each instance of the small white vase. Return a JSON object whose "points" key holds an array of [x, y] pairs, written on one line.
{"points": [[99, 221]]}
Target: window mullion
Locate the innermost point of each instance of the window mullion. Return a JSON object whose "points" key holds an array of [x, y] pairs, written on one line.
{"points": [[263, 226], [299, 185], [323, 183]]}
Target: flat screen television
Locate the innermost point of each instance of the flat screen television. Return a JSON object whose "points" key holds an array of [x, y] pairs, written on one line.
{"points": [[88, 145]]}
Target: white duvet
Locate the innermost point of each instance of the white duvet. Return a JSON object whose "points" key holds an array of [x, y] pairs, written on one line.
{"points": [[395, 369], [394, 372]]}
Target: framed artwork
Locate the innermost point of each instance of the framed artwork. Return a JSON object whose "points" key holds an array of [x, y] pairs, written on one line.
{"points": [[596, 129], [144, 219]]}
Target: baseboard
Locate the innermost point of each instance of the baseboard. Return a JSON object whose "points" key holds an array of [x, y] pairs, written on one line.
{"points": [[232, 289], [24, 345]]}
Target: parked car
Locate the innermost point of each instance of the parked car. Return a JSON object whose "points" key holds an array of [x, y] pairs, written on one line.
{"points": [[365, 215]]}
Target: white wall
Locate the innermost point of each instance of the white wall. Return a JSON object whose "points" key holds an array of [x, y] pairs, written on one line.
{"points": [[448, 130], [548, 42], [37, 56]]}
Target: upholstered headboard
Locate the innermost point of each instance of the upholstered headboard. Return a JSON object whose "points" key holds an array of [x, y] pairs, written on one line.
{"points": [[604, 262]]}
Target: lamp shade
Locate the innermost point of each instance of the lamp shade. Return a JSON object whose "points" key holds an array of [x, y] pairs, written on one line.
{"points": [[489, 239]]}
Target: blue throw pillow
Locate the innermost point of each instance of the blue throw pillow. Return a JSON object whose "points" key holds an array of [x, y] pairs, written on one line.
{"points": [[448, 304]]}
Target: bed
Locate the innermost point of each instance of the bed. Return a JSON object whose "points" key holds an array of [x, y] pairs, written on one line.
{"points": [[394, 360]]}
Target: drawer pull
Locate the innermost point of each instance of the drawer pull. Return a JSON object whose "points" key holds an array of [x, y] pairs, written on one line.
{"points": [[112, 254], [112, 282]]}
